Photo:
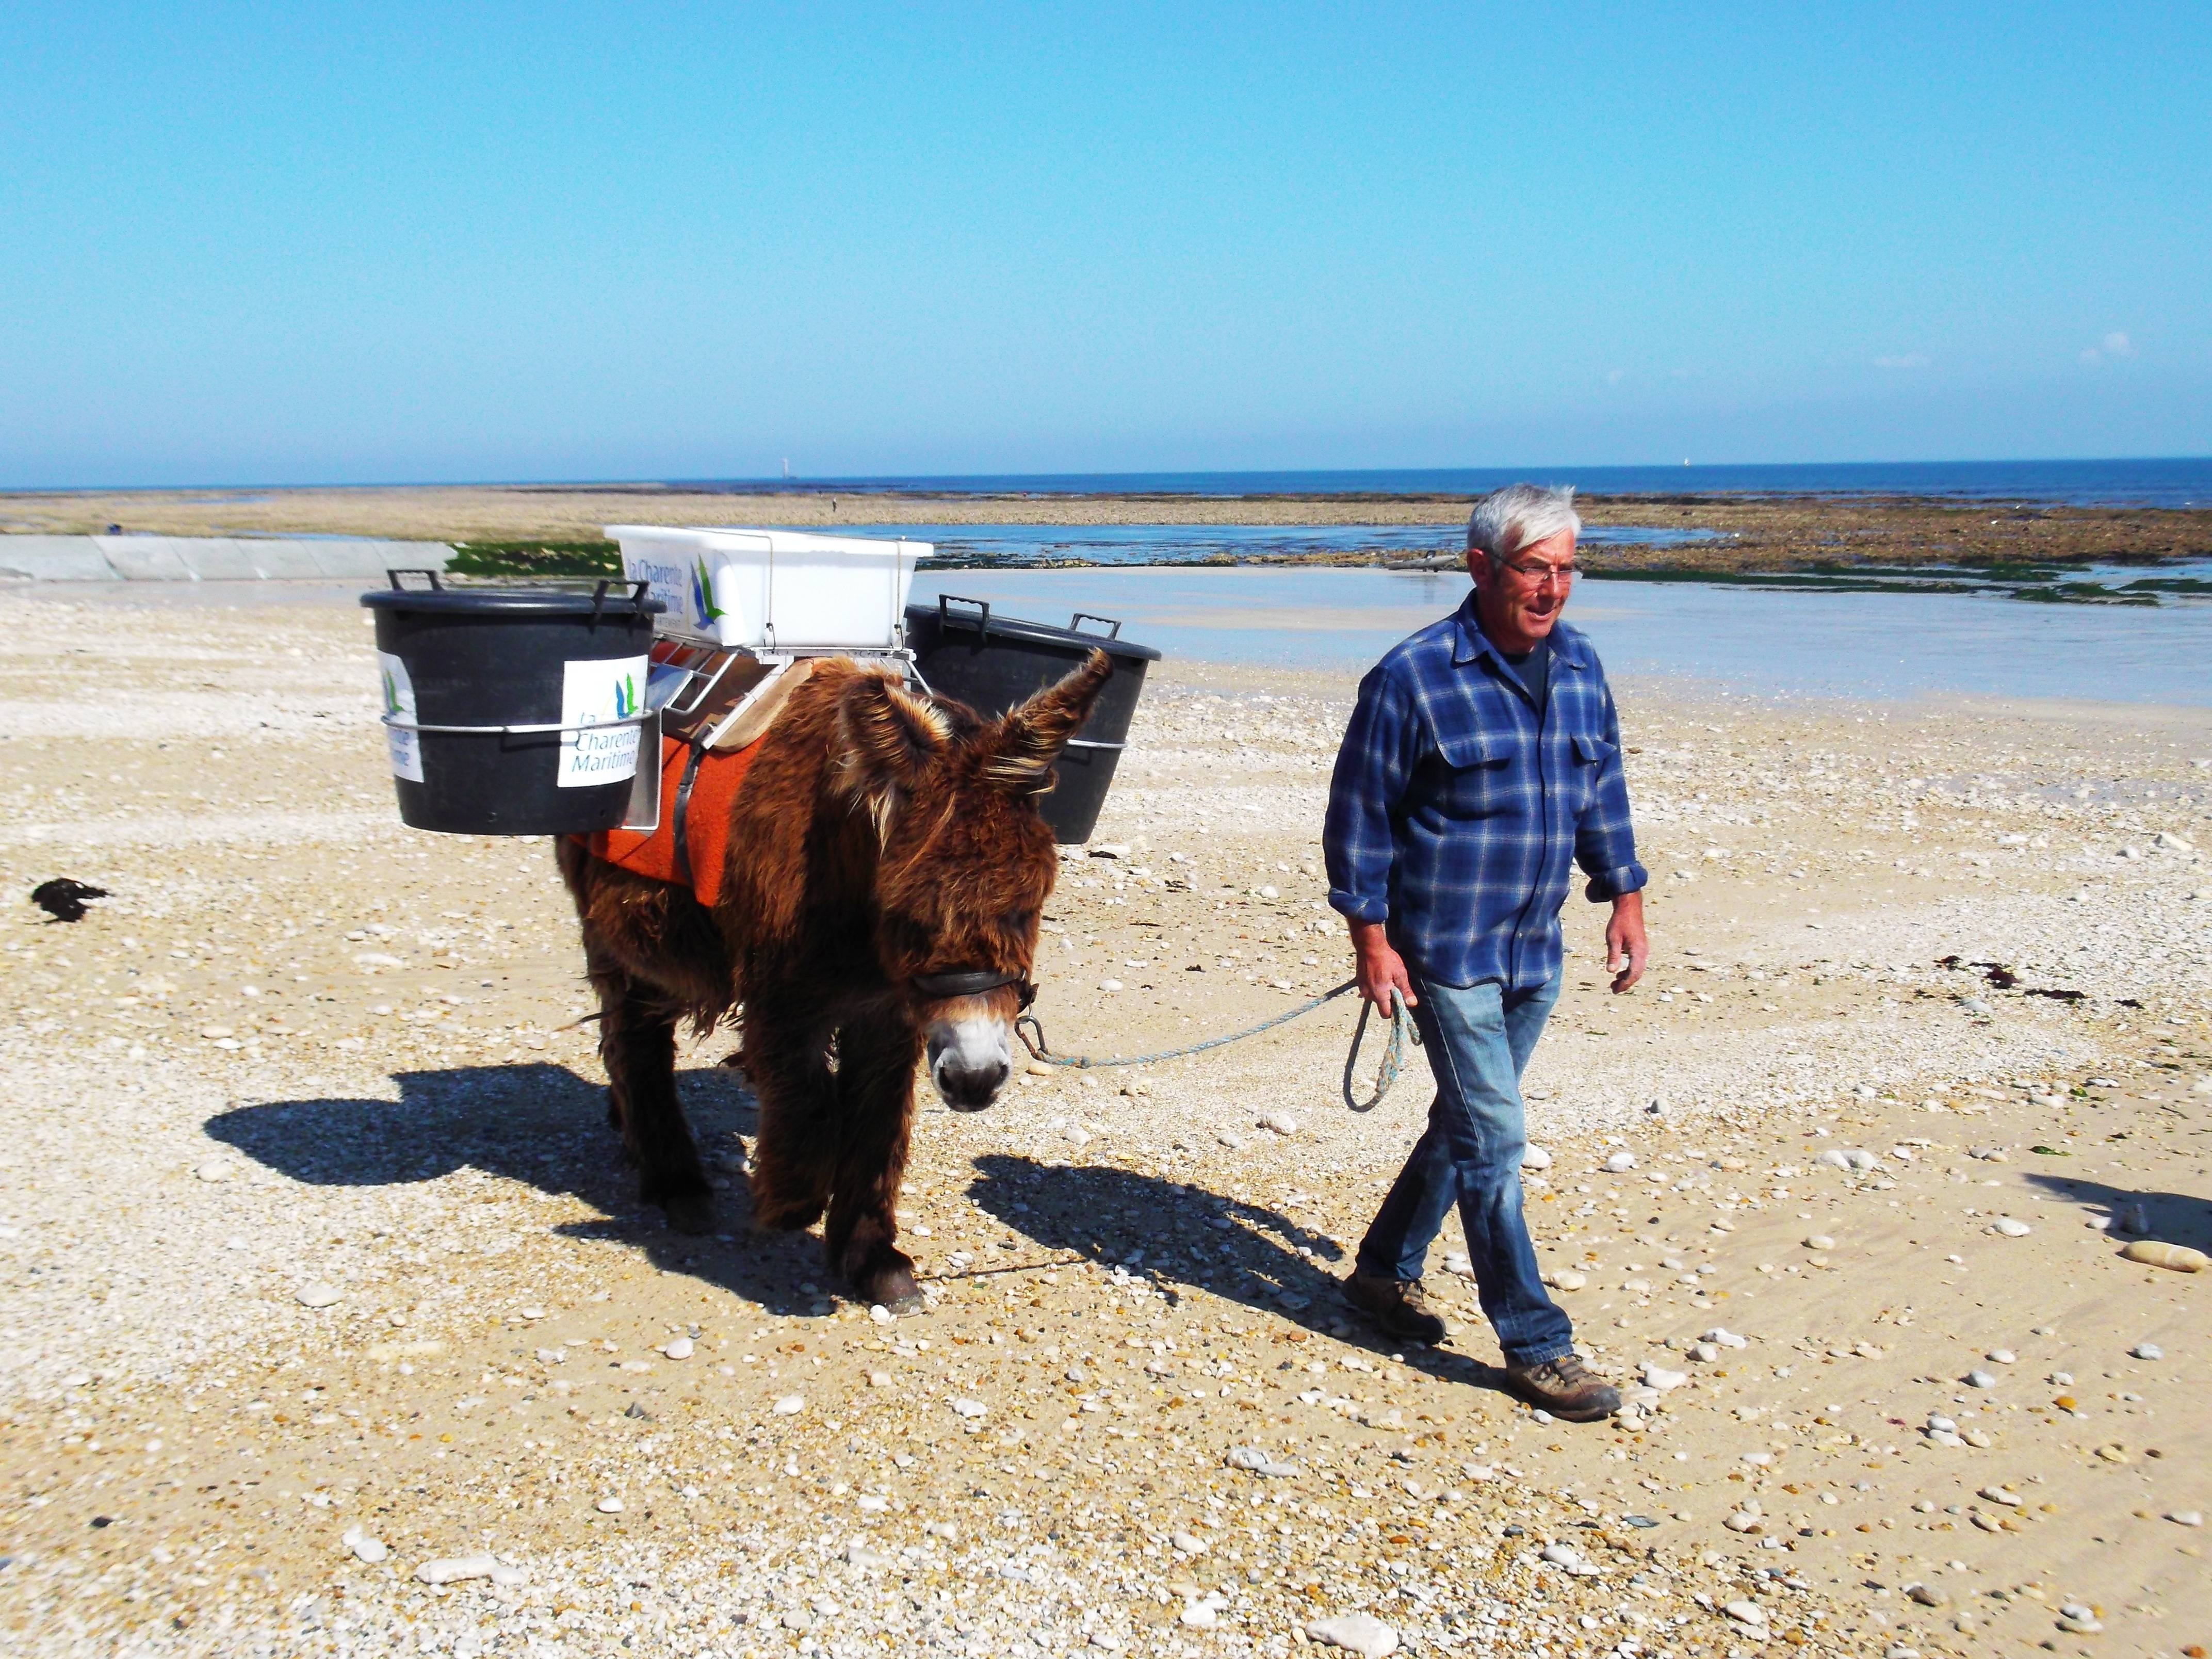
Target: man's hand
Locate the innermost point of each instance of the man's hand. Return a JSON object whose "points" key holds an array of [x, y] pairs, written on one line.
{"points": [[1626, 950], [1380, 969]]}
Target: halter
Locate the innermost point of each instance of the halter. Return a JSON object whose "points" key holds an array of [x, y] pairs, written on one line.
{"points": [[974, 981]]}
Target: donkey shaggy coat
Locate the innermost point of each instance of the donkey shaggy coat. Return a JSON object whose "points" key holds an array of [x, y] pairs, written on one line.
{"points": [[879, 839]]}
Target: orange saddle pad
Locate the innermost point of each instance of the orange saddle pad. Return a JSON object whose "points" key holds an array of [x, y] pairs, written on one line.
{"points": [[690, 848]]}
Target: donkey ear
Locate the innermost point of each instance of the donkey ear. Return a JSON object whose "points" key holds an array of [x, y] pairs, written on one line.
{"points": [[891, 739], [1027, 739]]}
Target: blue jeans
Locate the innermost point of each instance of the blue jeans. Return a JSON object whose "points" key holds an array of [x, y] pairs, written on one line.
{"points": [[1478, 1038]]}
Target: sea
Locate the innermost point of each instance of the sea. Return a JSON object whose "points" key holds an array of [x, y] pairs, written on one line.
{"points": [[2158, 481]]}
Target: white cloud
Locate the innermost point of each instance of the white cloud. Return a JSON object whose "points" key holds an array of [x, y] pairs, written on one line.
{"points": [[2115, 344], [1902, 359]]}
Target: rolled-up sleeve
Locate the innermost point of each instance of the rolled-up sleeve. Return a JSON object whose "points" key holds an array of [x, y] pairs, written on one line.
{"points": [[1380, 746], [1605, 839]]}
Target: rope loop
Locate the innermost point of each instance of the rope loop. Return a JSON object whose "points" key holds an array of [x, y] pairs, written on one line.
{"points": [[1394, 1053]]}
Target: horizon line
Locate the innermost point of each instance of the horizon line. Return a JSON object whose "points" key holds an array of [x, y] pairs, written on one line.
{"points": [[797, 483]]}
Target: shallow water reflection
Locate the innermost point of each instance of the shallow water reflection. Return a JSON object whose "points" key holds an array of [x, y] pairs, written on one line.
{"points": [[1879, 645]]}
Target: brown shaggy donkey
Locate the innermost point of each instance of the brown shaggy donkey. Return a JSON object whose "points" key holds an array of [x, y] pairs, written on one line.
{"points": [[886, 868]]}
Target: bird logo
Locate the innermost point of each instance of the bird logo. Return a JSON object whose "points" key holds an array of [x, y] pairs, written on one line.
{"points": [[702, 588]]}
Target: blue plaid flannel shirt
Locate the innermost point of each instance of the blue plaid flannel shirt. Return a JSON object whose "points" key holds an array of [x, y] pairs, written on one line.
{"points": [[1454, 819]]}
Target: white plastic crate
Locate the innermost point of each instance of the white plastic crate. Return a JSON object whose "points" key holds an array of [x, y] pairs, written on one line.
{"points": [[774, 590]]}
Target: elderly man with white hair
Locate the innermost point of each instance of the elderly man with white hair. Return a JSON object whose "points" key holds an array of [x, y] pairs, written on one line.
{"points": [[1482, 762]]}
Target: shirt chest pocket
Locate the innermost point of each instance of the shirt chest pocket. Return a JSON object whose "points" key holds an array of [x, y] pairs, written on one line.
{"points": [[1590, 754], [1475, 774]]}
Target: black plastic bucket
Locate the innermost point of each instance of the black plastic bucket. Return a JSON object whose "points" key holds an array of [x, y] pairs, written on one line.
{"points": [[512, 711], [992, 662]]}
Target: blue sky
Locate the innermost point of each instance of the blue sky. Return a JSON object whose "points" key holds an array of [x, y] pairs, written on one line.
{"points": [[348, 243]]}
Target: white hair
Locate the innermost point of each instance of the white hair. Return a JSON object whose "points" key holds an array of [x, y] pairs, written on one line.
{"points": [[1506, 521]]}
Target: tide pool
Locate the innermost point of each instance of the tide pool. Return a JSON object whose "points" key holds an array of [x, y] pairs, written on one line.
{"points": [[1888, 646]]}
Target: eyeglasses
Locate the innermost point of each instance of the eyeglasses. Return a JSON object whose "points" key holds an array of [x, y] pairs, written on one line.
{"points": [[1537, 574]]}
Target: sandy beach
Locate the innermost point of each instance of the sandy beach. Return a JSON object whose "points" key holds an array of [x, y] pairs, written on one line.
{"points": [[322, 1266]]}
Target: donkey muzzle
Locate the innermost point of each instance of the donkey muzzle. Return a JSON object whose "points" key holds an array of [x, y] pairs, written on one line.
{"points": [[971, 1053]]}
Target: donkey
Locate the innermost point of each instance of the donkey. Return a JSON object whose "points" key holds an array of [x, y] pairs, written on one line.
{"points": [[885, 874]]}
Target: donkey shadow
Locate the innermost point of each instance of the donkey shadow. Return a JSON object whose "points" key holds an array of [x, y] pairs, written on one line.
{"points": [[1146, 1227], [2172, 1218], [542, 1125]]}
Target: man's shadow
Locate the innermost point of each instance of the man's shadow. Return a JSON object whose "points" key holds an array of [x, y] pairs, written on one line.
{"points": [[2172, 1218], [543, 1125], [1145, 1229]]}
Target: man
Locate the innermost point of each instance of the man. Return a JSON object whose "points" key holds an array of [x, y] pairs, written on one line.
{"points": [[1483, 760]]}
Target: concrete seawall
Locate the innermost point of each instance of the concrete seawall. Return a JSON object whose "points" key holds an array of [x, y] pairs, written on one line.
{"points": [[212, 558]]}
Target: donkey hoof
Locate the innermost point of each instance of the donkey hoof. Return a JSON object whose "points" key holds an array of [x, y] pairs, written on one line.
{"points": [[894, 1290], [693, 1213]]}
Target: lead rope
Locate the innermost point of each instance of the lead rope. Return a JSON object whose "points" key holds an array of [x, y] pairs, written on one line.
{"points": [[1393, 1057], [1394, 1053]]}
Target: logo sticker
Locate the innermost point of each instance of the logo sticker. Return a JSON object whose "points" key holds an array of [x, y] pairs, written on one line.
{"points": [[399, 696], [703, 607], [600, 693]]}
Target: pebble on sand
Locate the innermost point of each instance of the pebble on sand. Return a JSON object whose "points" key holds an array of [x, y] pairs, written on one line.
{"points": [[1621, 1163], [2079, 1619], [2012, 1227], [790, 1406], [1535, 1157], [1563, 1279], [453, 1568], [1362, 1633], [970, 1409], [2177, 1257], [1659, 1377], [317, 1295], [365, 1548], [2147, 1351], [214, 1169], [609, 1506], [1253, 1461], [679, 1349], [1819, 1242], [1745, 1612]]}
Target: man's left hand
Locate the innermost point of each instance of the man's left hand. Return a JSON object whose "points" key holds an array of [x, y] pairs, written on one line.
{"points": [[1626, 949]]}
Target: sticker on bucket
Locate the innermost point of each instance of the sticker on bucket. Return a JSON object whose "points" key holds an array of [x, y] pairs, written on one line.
{"points": [[399, 704], [597, 694]]}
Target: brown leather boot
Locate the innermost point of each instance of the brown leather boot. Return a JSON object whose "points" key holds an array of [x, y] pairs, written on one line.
{"points": [[1395, 1304], [1565, 1388]]}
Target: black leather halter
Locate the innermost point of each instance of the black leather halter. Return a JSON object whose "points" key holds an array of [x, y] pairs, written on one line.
{"points": [[972, 982]]}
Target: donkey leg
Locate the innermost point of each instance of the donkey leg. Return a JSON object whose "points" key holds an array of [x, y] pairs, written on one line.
{"points": [[875, 1109], [637, 1041], [796, 1152], [656, 957]]}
